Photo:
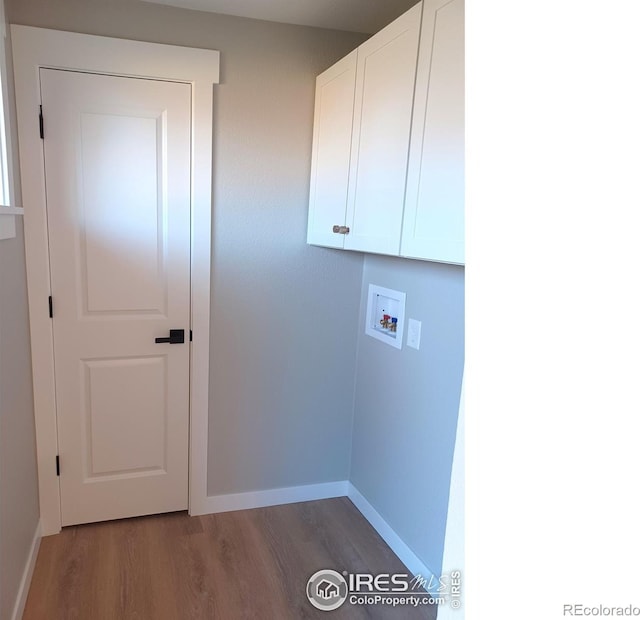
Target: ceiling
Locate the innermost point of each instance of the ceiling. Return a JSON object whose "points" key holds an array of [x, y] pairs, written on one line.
{"points": [[367, 16]]}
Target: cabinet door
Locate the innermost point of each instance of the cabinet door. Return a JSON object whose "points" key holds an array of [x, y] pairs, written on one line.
{"points": [[380, 144], [332, 125], [433, 226]]}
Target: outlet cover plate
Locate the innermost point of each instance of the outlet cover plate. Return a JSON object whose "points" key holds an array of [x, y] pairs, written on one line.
{"points": [[414, 331]]}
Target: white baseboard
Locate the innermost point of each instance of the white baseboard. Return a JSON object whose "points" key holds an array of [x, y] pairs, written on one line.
{"points": [[274, 497], [398, 546], [25, 582]]}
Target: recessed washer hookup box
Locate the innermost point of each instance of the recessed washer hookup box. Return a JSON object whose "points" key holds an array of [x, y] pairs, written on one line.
{"points": [[385, 315]]}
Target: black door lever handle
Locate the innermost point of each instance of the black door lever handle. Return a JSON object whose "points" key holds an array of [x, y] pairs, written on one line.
{"points": [[176, 336]]}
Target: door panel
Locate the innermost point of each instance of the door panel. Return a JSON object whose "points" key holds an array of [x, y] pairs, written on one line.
{"points": [[117, 165], [382, 123], [332, 125], [126, 416], [109, 144], [434, 212]]}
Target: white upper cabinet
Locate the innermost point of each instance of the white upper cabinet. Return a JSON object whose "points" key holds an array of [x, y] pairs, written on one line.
{"points": [[333, 121], [386, 71], [388, 144], [433, 227]]}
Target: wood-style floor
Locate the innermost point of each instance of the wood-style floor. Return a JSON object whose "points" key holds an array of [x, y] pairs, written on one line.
{"points": [[251, 564]]}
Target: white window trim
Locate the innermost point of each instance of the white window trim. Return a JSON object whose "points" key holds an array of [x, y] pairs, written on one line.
{"points": [[34, 48], [4, 210], [8, 207]]}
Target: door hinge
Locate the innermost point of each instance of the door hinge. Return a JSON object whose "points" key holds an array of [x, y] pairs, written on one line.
{"points": [[50, 307], [57, 464], [190, 335], [41, 124]]}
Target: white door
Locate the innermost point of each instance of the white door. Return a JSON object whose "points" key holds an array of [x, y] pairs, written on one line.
{"points": [[117, 166], [434, 211], [382, 124], [332, 125]]}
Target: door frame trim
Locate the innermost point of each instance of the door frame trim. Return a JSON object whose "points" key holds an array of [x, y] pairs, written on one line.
{"points": [[35, 48]]}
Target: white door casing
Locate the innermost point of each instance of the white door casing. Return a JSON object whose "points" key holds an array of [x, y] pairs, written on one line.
{"points": [[117, 164], [34, 49]]}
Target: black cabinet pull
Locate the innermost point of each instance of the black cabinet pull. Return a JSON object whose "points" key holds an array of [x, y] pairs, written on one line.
{"points": [[176, 336]]}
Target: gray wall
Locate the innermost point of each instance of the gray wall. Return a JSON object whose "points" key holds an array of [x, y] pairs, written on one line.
{"points": [[284, 315], [284, 320], [19, 510], [406, 404]]}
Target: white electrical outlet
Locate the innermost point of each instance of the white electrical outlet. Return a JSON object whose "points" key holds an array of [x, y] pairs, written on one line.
{"points": [[414, 332]]}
